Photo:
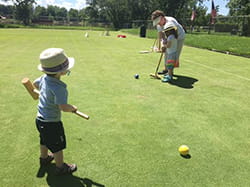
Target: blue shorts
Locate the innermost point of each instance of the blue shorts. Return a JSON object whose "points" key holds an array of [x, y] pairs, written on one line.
{"points": [[51, 135]]}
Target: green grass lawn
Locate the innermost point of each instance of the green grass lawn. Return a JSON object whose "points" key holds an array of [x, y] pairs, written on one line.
{"points": [[135, 126], [222, 42]]}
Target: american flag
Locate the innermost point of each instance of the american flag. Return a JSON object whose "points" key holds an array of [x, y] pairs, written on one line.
{"points": [[213, 13], [193, 14]]}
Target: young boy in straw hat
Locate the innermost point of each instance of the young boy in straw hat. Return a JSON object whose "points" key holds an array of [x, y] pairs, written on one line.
{"points": [[52, 100]]}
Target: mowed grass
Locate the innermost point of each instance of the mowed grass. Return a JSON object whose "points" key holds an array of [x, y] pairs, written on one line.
{"points": [[135, 126], [216, 41], [224, 43]]}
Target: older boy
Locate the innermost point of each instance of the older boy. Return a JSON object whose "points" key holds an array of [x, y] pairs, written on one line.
{"points": [[160, 21]]}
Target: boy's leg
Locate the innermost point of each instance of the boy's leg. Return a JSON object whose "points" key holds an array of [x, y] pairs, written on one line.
{"points": [[180, 44], [170, 68], [59, 158], [165, 60], [45, 158], [50, 136], [170, 72], [43, 151], [61, 167]]}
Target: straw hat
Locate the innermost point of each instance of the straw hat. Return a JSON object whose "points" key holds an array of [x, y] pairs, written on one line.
{"points": [[54, 60]]}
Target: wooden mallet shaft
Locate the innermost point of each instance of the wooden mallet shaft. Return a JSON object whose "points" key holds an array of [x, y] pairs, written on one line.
{"points": [[85, 116]]}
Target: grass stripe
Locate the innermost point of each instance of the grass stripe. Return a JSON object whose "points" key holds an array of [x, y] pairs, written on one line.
{"points": [[216, 69]]}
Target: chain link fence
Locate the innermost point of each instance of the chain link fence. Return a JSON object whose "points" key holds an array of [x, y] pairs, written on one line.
{"points": [[234, 25]]}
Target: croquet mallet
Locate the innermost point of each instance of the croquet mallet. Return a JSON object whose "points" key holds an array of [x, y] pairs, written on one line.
{"points": [[155, 75], [35, 95]]}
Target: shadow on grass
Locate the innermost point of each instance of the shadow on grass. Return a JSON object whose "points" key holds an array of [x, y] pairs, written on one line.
{"points": [[188, 156], [64, 180], [183, 81]]}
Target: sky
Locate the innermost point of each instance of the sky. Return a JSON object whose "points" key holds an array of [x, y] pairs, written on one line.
{"points": [[75, 4], [79, 4], [222, 6]]}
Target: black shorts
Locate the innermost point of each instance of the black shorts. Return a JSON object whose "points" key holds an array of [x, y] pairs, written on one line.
{"points": [[51, 135]]}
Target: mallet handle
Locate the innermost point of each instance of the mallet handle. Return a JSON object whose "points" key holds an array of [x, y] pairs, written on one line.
{"points": [[30, 88], [85, 116], [157, 68]]}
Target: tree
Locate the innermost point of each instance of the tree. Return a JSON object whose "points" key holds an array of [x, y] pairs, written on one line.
{"points": [[38, 12], [116, 11], [91, 13], [140, 9], [24, 10], [6, 10], [122, 11], [51, 10], [73, 14], [241, 8], [61, 13], [201, 18]]}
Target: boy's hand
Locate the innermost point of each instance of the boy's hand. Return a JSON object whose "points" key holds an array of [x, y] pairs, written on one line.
{"points": [[158, 50], [67, 108], [163, 49], [74, 108]]}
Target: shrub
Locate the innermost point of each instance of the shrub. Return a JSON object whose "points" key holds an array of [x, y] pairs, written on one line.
{"points": [[225, 27]]}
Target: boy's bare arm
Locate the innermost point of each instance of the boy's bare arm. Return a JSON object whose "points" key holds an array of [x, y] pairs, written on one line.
{"points": [[160, 38]]}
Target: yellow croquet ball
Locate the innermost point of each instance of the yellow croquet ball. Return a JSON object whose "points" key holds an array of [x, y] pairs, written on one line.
{"points": [[183, 150]]}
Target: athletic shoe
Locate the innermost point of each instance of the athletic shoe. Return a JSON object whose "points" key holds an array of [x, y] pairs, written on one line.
{"points": [[166, 78], [163, 72], [46, 161], [66, 169]]}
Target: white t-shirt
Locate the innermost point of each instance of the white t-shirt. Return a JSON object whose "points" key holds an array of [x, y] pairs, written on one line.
{"points": [[173, 21]]}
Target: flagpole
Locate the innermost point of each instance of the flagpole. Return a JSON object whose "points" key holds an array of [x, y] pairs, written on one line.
{"points": [[209, 28], [193, 18], [212, 17], [210, 20]]}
